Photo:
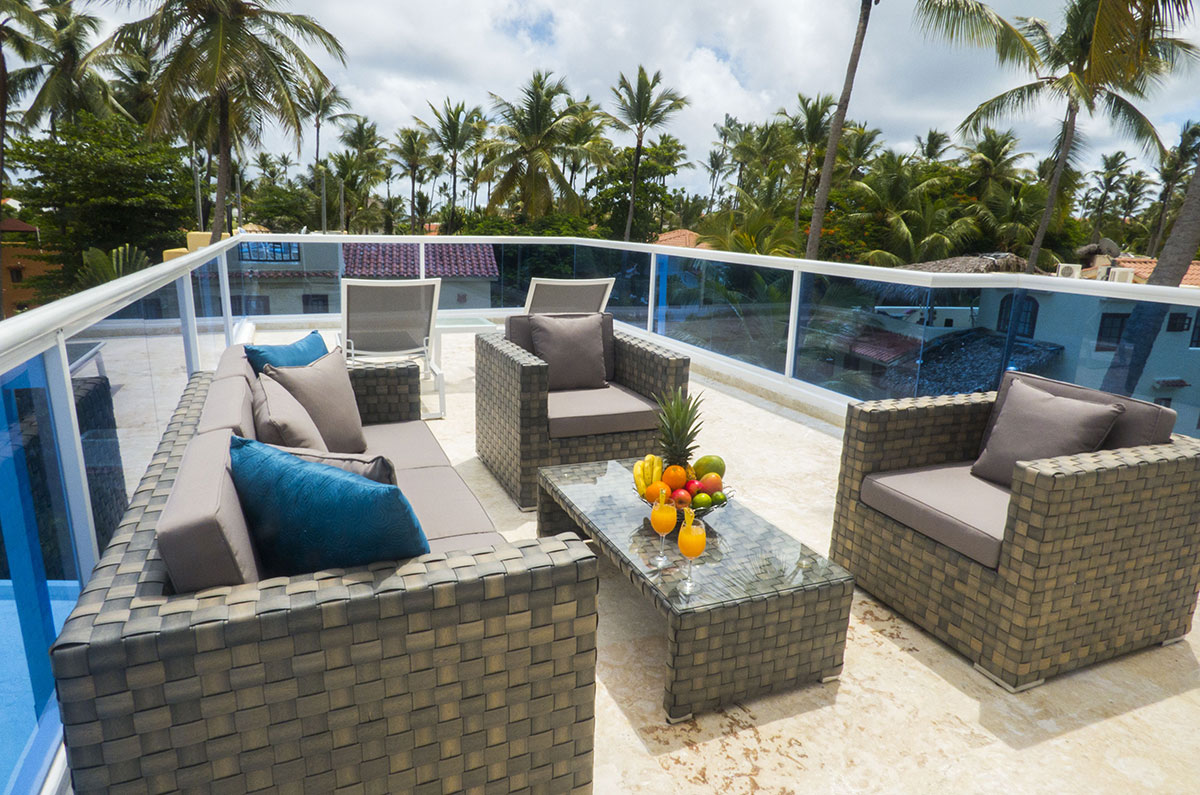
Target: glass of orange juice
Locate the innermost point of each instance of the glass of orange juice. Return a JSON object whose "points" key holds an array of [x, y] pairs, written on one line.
{"points": [[662, 518], [691, 545]]}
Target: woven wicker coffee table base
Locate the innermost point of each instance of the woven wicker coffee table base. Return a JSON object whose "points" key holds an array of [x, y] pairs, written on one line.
{"points": [[770, 613]]}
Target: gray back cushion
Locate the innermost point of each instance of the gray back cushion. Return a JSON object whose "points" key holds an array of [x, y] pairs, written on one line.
{"points": [[202, 534], [324, 390], [234, 362], [279, 419], [1035, 424], [371, 466], [229, 405], [518, 329], [1141, 423], [573, 347]]}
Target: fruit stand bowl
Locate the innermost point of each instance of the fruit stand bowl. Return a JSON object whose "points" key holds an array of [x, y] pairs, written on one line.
{"points": [[700, 512]]}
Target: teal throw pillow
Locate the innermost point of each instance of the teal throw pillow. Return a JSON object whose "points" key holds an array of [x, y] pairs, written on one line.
{"points": [[305, 517], [305, 350]]}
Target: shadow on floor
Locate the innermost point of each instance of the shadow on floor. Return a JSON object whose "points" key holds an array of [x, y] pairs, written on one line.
{"points": [[1064, 704]]}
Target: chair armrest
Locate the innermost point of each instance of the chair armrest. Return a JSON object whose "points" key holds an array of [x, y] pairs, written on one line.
{"points": [[508, 375], [883, 435], [386, 391], [648, 369]]}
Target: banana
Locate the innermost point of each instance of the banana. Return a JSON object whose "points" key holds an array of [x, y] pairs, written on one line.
{"points": [[638, 478], [658, 468]]}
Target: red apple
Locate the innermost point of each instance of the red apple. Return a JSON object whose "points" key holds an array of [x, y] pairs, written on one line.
{"points": [[681, 497], [693, 486]]}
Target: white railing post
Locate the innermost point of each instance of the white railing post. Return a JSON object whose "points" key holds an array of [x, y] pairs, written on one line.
{"points": [[187, 324], [650, 299], [70, 456], [421, 260], [226, 307], [789, 366]]}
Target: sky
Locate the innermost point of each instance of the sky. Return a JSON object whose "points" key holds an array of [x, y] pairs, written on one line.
{"points": [[747, 58]]}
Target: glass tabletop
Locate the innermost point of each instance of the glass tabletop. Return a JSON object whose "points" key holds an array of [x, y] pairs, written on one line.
{"points": [[745, 556]]}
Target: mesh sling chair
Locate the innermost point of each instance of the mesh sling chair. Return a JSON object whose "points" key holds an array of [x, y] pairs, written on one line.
{"points": [[393, 318], [567, 295]]}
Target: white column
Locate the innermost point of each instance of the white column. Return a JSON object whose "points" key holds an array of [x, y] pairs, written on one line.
{"points": [[226, 308], [789, 366], [187, 324], [653, 292], [421, 259]]}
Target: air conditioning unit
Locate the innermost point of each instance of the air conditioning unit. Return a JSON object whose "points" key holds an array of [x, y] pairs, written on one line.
{"points": [[1069, 271], [1120, 275], [1102, 272]]}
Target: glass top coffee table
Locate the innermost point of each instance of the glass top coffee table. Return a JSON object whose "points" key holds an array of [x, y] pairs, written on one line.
{"points": [[768, 613]]}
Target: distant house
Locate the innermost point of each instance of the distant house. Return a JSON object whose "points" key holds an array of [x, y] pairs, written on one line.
{"points": [[467, 270], [1144, 266], [19, 261]]}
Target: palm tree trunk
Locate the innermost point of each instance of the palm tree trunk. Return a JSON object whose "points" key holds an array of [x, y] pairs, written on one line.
{"points": [[803, 192], [453, 189], [821, 202], [1100, 208], [637, 161], [3, 122], [317, 156], [412, 202], [224, 156], [1060, 165], [1163, 200]]}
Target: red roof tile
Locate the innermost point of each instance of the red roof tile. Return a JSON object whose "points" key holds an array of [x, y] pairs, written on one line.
{"points": [[883, 346], [399, 261], [1144, 266]]}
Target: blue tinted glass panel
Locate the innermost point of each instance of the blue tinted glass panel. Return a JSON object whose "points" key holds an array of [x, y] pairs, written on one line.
{"points": [[630, 270]]}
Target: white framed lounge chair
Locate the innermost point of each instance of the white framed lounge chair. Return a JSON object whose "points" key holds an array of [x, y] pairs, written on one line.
{"points": [[393, 319], [567, 295]]}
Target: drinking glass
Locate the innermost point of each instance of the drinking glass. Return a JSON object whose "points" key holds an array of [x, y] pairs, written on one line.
{"points": [[691, 545], [662, 518]]}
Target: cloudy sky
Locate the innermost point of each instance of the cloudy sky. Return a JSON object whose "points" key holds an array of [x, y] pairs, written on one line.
{"points": [[746, 58]]}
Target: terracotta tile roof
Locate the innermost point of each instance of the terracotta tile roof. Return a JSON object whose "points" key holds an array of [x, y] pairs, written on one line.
{"points": [[400, 261], [267, 273], [882, 346], [16, 225], [1144, 266], [681, 237]]}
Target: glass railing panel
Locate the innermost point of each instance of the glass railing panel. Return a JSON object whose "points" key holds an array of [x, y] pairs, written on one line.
{"points": [[860, 337], [631, 273], [740, 311], [469, 273], [39, 578], [128, 374], [267, 278], [520, 262]]}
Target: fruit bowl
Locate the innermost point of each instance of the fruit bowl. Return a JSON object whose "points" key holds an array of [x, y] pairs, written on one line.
{"points": [[700, 512]]}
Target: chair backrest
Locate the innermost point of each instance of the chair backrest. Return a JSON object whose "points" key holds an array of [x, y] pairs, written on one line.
{"points": [[550, 296], [518, 330], [383, 317]]}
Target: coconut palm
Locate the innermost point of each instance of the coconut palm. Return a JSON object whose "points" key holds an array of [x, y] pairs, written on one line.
{"points": [[810, 131], [1108, 180], [1134, 190], [1173, 169], [859, 147], [935, 144], [963, 20], [247, 61], [1009, 218], [718, 168], [586, 145], [21, 31], [640, 108], [285, 162], [529, 136], [411, 150], [1064, 71], [268, 171], [993, 161], [135, 76], [321, 102], [452, 133]]}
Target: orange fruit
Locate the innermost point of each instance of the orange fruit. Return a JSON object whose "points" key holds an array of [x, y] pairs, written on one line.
{"points": [[653, 490], [675, 476]]}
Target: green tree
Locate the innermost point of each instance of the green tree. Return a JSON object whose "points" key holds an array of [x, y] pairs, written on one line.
{"points": [[320, 101], [810, 131], [1109, 178], [639, 109], [933, 146], [411, 149], [246, 62], [452, 133], [99, 267], [21, 30], [993, 162], [1173, 170]]}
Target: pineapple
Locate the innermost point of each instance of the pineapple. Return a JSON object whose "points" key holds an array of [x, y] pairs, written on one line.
{"points": [[678, 424]]}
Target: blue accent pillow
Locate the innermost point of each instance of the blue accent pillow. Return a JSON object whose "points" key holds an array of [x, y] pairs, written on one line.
{"points": [[305, 517], [305, 350]]}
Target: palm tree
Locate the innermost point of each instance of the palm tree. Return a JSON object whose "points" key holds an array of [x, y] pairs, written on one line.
{"points": [[966, 20], [1173, 169], [1109, 179], [267, 169], [992, 161], [586, 145], [858, 148], [321, 101], [21, 31], [453, 133], [810, 131], [933, 145], [412, 152], [639, 110], [1008, 219], [718, 167], [528, 138], [285, 162], [1067, 56], [135, 76], [241, 60], [1134, 189]]}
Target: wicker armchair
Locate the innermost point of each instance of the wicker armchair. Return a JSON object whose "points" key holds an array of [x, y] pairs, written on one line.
{"points": [[473, 671], [1100, 554], [512, 430]]}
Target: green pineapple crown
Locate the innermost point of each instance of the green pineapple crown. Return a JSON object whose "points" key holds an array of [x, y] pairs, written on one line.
{"points": [[678, 425]]}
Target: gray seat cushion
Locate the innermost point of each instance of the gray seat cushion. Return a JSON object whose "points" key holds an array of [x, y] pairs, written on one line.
{"points": [[408, 445], [228, 405], [1035, 424], [945, 503], [1142, 422], [573, 347], [202, 534], [518, 329], [587, 412], [324, 390], [444, 505]]}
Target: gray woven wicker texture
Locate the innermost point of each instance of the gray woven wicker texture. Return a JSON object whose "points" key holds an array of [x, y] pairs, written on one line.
{"points": [[1101, 555], [465, 672], [512, 432]]}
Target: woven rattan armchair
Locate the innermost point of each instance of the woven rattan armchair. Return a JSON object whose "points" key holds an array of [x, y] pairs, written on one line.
{"points": [[1100, 555], [512, 432], [465, 672]]}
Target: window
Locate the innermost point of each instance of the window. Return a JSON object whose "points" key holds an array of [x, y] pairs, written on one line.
{"points": [[1026, 317], [1179, 321], [1195, 343], [1112, 326], [315, 303], [250, 304], [16, 275], [1164, 402], [269, 252]]}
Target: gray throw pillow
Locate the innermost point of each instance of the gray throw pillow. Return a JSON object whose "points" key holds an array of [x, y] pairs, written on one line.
{"points": [[371, 467], [324, 390], [280, 419], [573, 347], [1035, 424]]}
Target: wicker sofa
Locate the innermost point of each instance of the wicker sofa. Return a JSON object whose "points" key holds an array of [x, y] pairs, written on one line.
{"points": [[514, 410], [1099, 555], [470, 670]]}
